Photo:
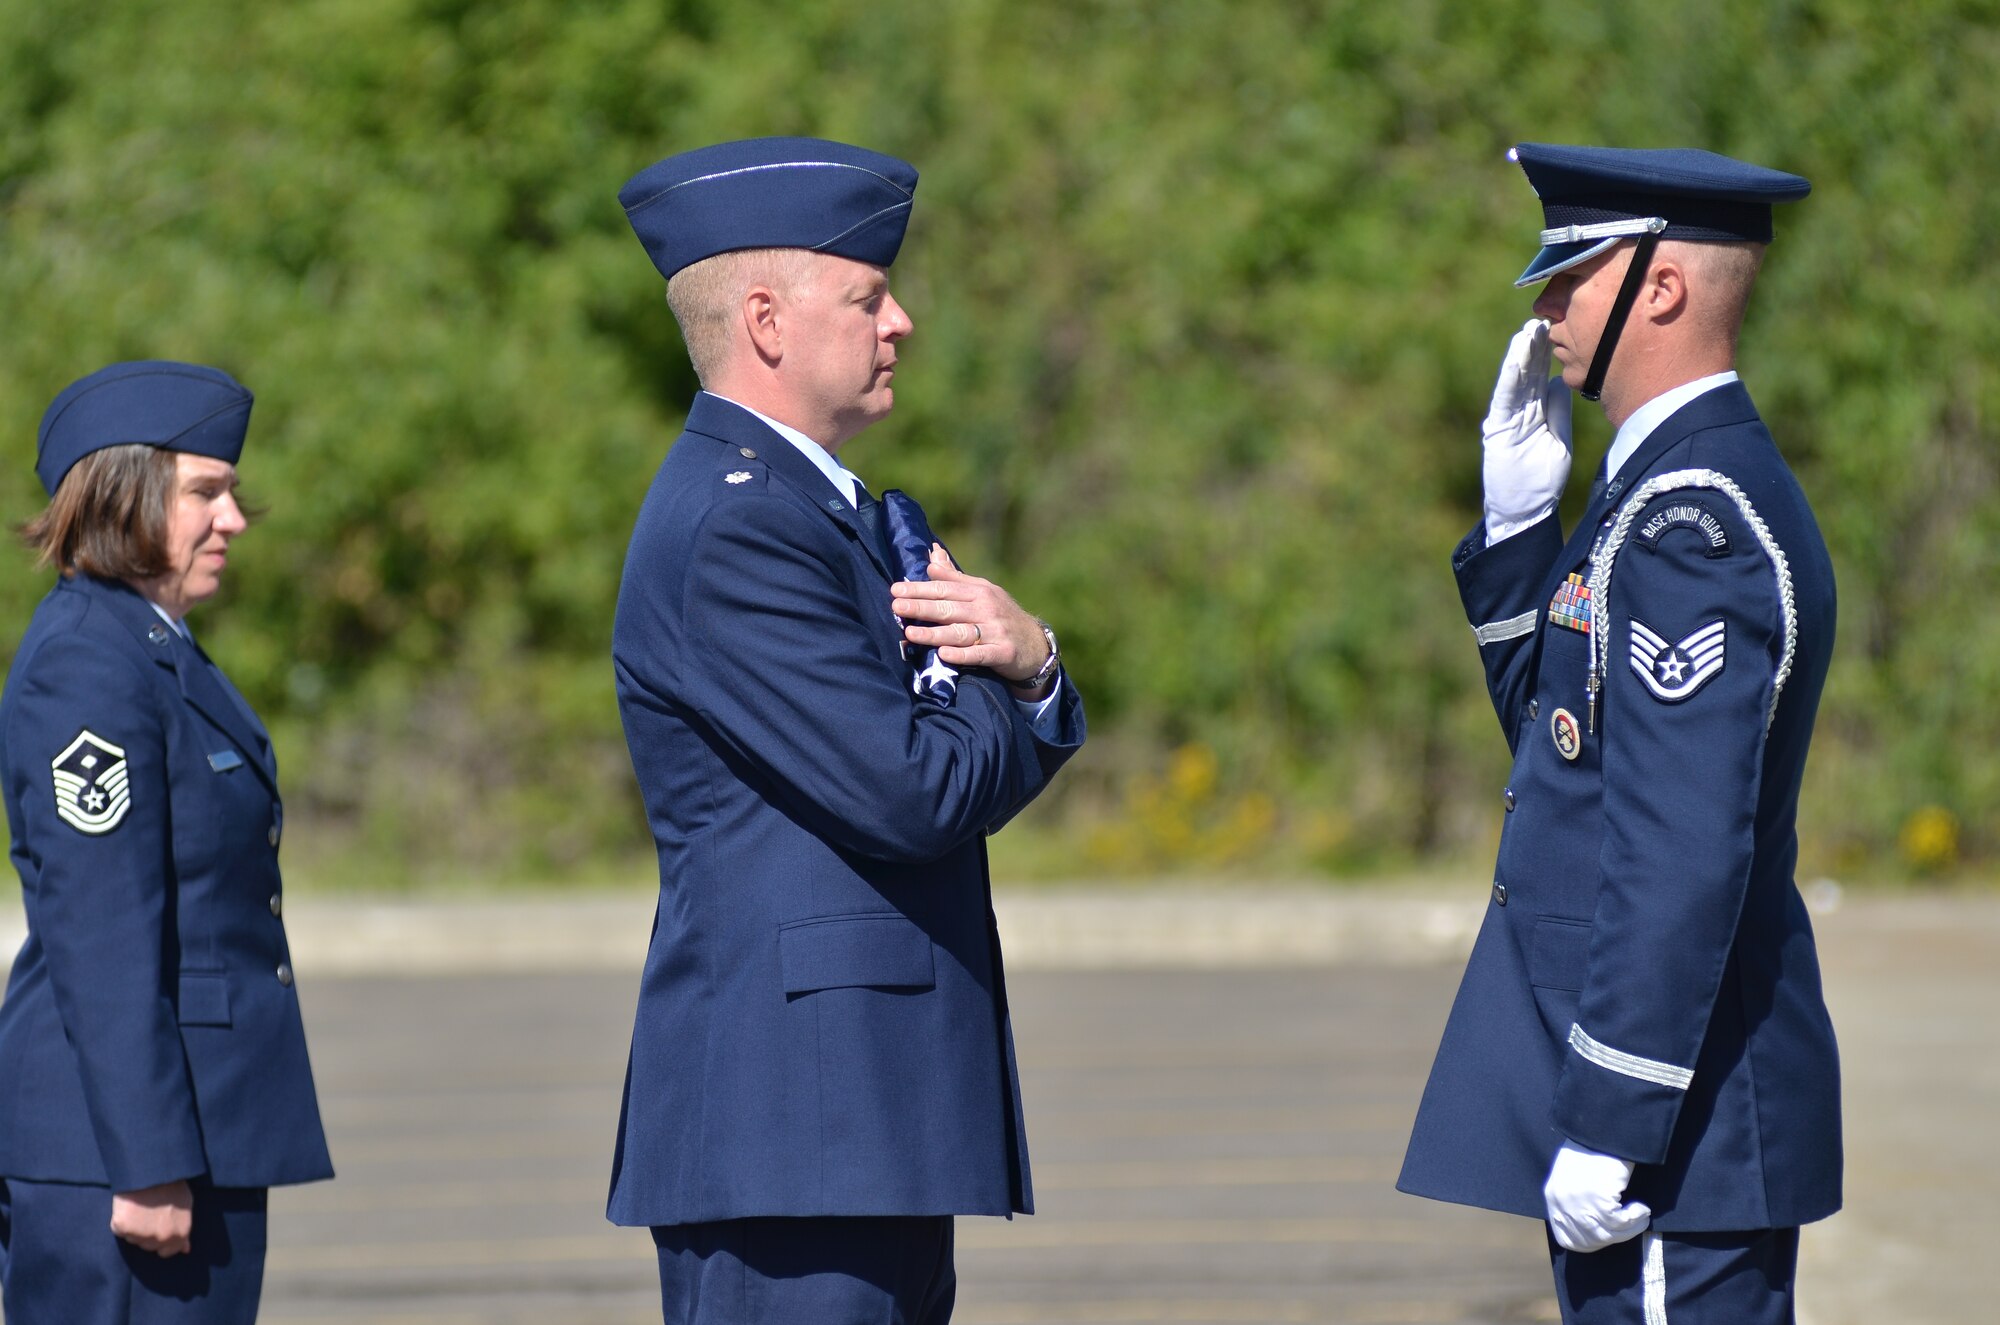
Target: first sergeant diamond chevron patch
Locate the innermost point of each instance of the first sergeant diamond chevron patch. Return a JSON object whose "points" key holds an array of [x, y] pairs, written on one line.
{"points": [[1674, 671], [92, 794]]}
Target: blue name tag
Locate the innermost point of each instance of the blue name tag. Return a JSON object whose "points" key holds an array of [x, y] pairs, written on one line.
{"points": [[224, 760]]}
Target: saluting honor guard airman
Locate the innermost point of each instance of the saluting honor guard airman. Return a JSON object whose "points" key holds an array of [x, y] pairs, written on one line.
{"points": [[826, 717], [1639, 1052]]}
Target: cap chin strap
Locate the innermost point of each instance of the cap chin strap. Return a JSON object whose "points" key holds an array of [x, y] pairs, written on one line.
{"points": [[1628, 293]]}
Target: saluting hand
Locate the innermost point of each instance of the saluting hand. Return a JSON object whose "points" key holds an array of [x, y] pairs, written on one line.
{"points": [[1525, 435], [973, 623], [156, 1219]]}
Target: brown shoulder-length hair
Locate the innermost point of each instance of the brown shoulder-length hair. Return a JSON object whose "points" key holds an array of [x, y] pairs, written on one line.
{"points": [[109, 515]]}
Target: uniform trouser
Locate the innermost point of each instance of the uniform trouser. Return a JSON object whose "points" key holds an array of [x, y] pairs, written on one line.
{"points": [[846, 1270], [1681, 1279], [61, 1265]]}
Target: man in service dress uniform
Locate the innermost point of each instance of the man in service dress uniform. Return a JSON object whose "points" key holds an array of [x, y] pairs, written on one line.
{"points": [[826, 717], [1639, 1052]]}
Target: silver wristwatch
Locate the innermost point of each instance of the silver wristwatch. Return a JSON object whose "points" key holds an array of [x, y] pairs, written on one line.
{"points": [[1049, 668]]}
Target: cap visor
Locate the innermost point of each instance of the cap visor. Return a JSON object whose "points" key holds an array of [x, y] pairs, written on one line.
{"points": [[1561, 257]]}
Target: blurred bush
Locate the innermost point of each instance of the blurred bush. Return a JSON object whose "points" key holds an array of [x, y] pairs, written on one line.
{"points": [[1208, 301]]}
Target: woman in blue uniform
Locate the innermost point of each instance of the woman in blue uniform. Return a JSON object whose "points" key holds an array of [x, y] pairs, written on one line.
{"points": [[153, 1072]]}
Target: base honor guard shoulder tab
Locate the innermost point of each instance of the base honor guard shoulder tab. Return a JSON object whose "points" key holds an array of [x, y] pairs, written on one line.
{"points": [[1682, 511], [1687, 499]]}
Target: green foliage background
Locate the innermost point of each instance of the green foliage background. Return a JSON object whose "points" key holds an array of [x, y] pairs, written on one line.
{"points": [[1208, 299]]}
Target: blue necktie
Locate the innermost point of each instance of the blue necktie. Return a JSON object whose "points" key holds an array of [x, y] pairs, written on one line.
{"points": [[869, 512], [910, 538]]}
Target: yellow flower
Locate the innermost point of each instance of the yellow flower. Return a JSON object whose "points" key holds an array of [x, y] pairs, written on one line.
{"points": [[1929, 839]]}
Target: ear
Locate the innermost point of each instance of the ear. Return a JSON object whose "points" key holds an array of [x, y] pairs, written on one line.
{"points": [[1665, 295], [763, 323]]}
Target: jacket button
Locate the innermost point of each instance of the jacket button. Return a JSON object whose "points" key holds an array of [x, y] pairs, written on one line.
{"points": [[277, 905], [1507, 798], [1499, 893], [1534, 709], [272, 836], [285, 974]]}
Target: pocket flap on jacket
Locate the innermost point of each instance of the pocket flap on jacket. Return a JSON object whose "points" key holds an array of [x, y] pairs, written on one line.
{"points": [[835, 952], [205, 1000], [1561, 954]]}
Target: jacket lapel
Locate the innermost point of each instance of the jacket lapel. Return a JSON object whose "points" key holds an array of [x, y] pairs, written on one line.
{"points": [[732, 425], [1580, 540], [1725, 405], [204, 686], [201, 683]]}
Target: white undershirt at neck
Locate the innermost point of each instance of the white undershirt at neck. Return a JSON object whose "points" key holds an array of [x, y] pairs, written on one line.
{"points": [[178, 626], [1632, 434], [843, 481]]}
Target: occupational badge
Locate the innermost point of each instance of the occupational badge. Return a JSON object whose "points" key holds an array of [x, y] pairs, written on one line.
{"points": [[1571, 605], [1568, 736], [1673, 671], [740, 476], [90, 779]]}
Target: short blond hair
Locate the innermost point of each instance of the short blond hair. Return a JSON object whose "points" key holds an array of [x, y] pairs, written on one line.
{"points": [[1724, 274], [706, 297]]}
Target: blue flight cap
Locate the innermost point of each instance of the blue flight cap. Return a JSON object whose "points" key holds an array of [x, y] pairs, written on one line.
{"points": [[771, 193], [156, 402], [1593, 197]]}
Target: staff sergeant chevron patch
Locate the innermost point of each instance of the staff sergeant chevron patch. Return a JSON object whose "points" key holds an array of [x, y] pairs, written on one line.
{"points": [[1673, 672], [90, 779]]}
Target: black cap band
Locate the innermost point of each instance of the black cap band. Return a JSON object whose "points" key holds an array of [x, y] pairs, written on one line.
{"points": [[1705, 220]]}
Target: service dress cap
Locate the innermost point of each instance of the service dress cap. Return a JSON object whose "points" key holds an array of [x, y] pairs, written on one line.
{"points": [[1593, 197], [153, 402], [771, 193]]}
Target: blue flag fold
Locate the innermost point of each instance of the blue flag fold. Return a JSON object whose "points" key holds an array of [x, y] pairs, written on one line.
{"points": [[910, 538]]}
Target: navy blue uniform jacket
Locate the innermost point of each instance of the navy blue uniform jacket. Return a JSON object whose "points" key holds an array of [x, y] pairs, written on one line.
{"points": [[1645, 981], [146, 1035], [822, 1025]]}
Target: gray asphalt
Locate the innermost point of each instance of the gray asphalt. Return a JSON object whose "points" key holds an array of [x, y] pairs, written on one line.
{"points": [[1209, 1147], [1215, 1135]]}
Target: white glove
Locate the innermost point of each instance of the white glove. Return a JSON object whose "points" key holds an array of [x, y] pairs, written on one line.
{"points": [[1527, 436], [1584, 1192]]}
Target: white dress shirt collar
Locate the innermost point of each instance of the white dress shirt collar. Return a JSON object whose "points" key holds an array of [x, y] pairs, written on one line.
{"points": [[1042, 714], [1635, 430], [843, 481]]}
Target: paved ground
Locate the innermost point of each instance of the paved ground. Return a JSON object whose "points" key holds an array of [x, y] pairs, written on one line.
{"points": [[1214, 1140], [1210, 1147], [1914, 986]]}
